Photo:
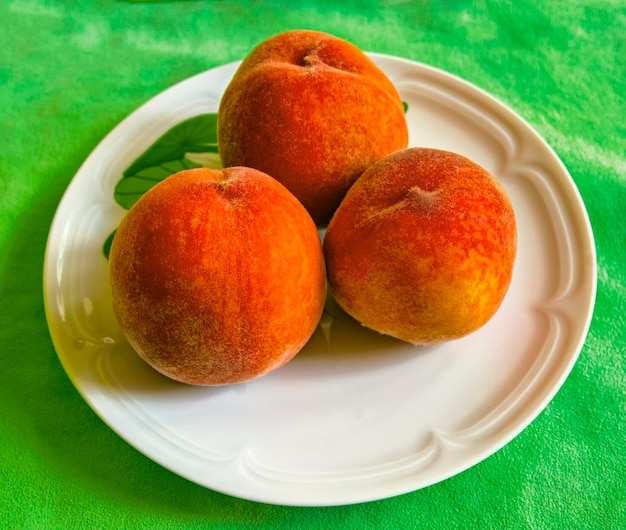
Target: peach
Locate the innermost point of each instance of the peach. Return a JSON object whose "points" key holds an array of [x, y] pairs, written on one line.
{"points": [[217, 276], [313, 111], [423, 246]]}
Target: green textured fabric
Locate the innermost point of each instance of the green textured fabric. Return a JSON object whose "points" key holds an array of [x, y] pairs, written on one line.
{"points": [[72, 70]]}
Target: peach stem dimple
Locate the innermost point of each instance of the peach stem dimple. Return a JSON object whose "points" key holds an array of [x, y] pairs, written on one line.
{"points": [[425, 196], [308, 60]]}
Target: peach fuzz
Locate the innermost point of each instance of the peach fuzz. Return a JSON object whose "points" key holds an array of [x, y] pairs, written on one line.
{"points": [[423, 246], [313, 111], [217, 276]]}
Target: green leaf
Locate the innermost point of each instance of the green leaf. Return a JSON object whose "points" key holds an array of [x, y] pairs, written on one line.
{"points": [[129, 189], [190, 144], [405, 105], [195, 135], [106, 247]]}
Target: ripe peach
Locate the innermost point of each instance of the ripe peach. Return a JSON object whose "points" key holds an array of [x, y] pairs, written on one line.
{"points": [[313, 111], [422, 247], [217, 276]]}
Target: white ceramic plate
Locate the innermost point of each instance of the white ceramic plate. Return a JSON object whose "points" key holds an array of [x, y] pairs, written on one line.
{"points": [[355, 416]]}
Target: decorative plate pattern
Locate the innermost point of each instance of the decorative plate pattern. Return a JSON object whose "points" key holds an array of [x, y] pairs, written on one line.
{"points": [[355, 416]]}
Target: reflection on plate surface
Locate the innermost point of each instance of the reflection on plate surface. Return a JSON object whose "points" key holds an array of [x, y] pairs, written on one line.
{"points": [[355, 416]]}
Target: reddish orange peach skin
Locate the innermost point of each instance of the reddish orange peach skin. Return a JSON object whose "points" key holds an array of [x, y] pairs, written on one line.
{"points": [[217, 276], [423, 247], [312, 111]]}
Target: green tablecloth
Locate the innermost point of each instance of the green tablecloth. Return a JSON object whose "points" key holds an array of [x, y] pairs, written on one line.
{"points": [[71, 70]]}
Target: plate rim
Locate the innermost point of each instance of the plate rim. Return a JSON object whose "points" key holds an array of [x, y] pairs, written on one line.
{"points": [[573, 190]]}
